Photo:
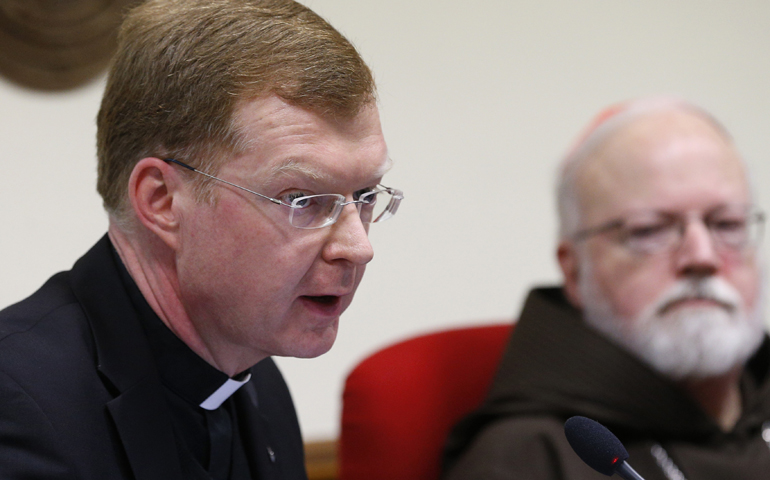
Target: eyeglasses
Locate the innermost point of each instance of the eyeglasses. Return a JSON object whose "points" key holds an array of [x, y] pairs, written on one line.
{"points": [[374, 205], [731, 228]]}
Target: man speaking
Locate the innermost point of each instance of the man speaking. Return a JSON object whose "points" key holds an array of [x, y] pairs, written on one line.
{"points": [[240, 159]]}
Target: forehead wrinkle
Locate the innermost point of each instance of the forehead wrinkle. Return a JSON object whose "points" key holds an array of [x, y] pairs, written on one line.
{"points": [[294, 167]]}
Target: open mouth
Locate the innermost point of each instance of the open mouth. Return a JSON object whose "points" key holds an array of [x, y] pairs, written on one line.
{"points": [[324, 299], [324, 305]]}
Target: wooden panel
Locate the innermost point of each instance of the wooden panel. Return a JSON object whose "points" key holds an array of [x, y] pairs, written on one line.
{"points": [[321, 460]]}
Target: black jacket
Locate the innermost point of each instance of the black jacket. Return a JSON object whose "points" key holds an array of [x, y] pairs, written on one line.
{"points": [[556, 367], [80, 396]]}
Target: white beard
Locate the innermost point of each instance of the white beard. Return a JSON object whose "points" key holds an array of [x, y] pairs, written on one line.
{"points": [[686, 342]]}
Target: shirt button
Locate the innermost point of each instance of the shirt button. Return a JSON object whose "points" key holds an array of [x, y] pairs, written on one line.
{"points": [[271, 454]]}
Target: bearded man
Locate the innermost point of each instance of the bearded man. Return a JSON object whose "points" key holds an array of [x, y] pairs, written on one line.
{"points": [[657, 332]]}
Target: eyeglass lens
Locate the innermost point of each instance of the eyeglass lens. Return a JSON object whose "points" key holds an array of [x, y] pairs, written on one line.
{"points": [[317, 211], [729, 228]]}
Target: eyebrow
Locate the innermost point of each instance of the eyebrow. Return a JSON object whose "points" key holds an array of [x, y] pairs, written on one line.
{"points": [[384, 168], [294, 166]]}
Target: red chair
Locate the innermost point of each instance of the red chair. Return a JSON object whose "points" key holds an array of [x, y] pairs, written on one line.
{"points": [[399, 404]]}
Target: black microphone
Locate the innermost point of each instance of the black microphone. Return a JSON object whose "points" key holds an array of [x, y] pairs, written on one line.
{"points": [[599, 448]]}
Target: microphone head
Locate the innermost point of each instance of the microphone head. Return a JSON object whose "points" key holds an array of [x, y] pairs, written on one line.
{"points": [[599, 448]]}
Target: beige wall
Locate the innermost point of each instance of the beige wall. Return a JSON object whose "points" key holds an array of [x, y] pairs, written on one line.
{"points": [[478, 99]]}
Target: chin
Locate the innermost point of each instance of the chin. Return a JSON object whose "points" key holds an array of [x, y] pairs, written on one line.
{"points": [[312, 343], [698, 342]]}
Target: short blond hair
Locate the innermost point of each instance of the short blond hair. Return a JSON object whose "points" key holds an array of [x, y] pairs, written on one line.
{"points": [[183, 66]]}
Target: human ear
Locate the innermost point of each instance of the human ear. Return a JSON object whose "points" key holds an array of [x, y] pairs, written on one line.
{"points": [[151, 190], [569, 262]]}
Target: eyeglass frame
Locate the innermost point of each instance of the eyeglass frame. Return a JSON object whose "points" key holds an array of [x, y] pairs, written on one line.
{"points": [[754, 216], [396, 197]]}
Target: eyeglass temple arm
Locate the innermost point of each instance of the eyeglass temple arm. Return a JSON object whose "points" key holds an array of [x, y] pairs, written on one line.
{"points": [[590, 232], [188, 167], [395, 200]]}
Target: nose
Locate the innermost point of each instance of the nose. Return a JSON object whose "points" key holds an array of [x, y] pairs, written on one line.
{"points": [[697, 255], [349, 239]]}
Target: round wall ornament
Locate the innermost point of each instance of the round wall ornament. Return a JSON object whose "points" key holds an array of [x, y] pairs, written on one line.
{"points": [[57, 44]]}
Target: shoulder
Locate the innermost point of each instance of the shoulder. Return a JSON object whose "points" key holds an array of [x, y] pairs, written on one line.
{"points": [[29, 443], [519, 436], [45, 335], [47, 379], [521, 447], [51, 298], [48, 357], [43, 331]]}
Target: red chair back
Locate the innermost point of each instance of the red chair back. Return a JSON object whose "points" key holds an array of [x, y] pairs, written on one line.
{"points": [[399, 404]]}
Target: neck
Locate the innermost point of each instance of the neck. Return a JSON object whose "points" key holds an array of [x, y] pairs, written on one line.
{"points": [[719, 397], [151, 265]]}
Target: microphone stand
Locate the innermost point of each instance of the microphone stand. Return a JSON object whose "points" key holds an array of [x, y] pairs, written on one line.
{"points": [[625, 471]]}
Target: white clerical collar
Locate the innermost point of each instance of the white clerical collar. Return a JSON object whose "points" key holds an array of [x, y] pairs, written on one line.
{"points": [[223, 393]]}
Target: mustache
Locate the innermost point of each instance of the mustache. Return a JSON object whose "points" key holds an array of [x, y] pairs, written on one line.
{"points": [[713, 289]]}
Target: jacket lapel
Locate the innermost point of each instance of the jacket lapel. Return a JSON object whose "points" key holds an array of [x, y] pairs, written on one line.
{"points": [[142, 419], [254, 431], [139, 410], [268, 425]]}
